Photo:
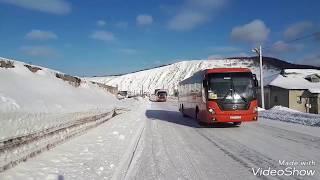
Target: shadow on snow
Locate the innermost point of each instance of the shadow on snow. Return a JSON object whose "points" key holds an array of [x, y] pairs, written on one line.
{"points": [[177, 118]]}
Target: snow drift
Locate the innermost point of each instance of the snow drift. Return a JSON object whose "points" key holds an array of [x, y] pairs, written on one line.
{"points": [[24, 91], [280, 113], [33, 99]]}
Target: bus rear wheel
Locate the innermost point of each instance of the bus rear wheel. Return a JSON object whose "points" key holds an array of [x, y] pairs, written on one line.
{"points": [[196, 114], [182, 111]]}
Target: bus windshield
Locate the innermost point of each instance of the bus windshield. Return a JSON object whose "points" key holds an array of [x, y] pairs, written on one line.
{"points": [[231, 87], [162, 94]]}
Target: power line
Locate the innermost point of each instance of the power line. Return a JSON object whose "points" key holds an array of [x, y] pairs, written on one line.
{"points": [[308, 36]]}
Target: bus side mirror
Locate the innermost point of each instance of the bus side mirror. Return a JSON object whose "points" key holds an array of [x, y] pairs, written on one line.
{"points": [[205, 83]]}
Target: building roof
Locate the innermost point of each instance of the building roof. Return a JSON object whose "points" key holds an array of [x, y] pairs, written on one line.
{"points": [[294, 79], [314, 90]]}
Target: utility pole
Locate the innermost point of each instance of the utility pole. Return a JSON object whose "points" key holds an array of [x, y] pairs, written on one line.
{"points": [[259, 52], [141, 90]]}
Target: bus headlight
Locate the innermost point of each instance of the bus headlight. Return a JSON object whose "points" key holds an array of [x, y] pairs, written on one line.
{"points": [[211, 111]]}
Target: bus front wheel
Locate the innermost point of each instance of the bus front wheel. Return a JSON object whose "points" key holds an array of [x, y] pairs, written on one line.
{"points": [[236, 123]]}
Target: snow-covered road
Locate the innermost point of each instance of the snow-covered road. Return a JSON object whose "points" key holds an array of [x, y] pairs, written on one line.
{"points": [[153, 141], [173, 147]]}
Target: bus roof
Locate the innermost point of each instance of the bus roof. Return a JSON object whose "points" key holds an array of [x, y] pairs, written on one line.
{"points": [[224, 70], [199, 75]]}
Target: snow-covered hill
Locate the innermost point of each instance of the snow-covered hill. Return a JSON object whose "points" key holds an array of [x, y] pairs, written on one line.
{"points": [[169, 76], [24, 91]]}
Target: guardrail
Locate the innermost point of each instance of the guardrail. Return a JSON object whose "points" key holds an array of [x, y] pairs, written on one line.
{"points": [[18, 149]]}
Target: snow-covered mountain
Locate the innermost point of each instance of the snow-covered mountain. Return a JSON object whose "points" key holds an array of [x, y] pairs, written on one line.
{"points": [[169, 76]]}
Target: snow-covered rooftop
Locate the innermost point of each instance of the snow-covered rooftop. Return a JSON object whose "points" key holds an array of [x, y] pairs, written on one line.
{"points": [[295, 79], [314, 90]]}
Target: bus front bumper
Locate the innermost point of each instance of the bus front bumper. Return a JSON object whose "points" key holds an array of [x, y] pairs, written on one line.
{"points": [[233, 117]]}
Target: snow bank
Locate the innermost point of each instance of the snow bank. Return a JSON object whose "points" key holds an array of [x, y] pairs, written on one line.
{"points": [[24, 91], [281, 108], [32, 101], [289, 115], [17, 124]]}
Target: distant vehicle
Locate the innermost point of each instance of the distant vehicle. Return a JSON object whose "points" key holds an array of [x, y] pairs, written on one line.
{"points": [[122, 94], [161, 95], [220, 95]]}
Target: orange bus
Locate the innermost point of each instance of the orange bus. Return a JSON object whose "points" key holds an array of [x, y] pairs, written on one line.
{"points": [[220, 95]]}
